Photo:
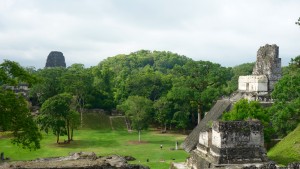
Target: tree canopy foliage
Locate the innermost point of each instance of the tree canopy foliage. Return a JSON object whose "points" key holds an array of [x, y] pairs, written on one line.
{"points": [[57, 114], [151, 87], [286, 109], [14, 109], [180, 88], [138, 109], [174, 83]]}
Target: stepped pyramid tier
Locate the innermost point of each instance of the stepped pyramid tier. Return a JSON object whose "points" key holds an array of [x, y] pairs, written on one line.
{"points": [[258, 86], [55, 59], [266, 72]]}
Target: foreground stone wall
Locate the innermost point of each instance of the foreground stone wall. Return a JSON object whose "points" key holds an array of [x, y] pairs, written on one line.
{"points": [[271, 165], [235, 134], [237, 142], [81, 160], [229, 144], [204, 165]]}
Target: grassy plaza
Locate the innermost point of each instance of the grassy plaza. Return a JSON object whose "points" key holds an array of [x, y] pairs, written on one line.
{"points": [[104, 143]]}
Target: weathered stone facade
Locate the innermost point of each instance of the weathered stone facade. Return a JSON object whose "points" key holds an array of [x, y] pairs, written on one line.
{"points": [[268, 63], [267, 71], [257, 83], [55, 59], [233, 143], [81, 160], [231, 146]]}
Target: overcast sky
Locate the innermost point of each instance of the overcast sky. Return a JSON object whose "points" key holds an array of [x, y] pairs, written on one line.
{"points": [[228, 32]]}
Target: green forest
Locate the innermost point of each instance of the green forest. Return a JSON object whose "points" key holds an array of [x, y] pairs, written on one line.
{"points": [[152, 88]]}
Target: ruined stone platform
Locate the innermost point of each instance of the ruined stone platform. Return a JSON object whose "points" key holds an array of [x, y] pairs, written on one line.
{"points": [[81, 160]]}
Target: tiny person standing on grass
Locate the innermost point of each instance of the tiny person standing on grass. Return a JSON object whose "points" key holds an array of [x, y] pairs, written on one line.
{"points": [[161, 146]]}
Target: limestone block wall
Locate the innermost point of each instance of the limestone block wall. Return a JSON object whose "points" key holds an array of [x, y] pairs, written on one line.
{"points": [[237, 134], [237, 142], [232, 142], [203, 138], [254, 83]]}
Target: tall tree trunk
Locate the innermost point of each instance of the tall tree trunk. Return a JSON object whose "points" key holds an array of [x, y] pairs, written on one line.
{"points": [[165, 126], [193, 118], [139, 135], [80, 118], [68, 131], [199, 113], [80, 104], [72, 133], [81, 109], [57, 137]]}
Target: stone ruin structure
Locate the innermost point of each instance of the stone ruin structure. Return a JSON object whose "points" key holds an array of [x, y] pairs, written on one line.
{"points": [[231, 144], [266, 72], [21, 88], [55, 59], [258, 86], [79, 160], [215, 113]]}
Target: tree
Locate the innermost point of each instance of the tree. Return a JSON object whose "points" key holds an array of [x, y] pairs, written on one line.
{"points": [[123, 71], [14, 113], [245, 110], [285, 111], [147, 83], [49, 84], [163, 112], [57, 114], [74, 121], [200, 82], [138, 110], [11, 73], [180, 97], [78, 82], [180, 118], [103, 86]]}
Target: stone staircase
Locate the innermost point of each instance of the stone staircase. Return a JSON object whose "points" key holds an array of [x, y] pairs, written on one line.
{"points": [[215, 113]]}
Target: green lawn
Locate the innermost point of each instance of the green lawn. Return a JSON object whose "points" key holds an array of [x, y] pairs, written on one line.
{"points": [[99, 121], [106, 143], [288, 149]]}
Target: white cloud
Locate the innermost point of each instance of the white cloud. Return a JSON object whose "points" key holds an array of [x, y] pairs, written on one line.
{"points": [[226, 32]]}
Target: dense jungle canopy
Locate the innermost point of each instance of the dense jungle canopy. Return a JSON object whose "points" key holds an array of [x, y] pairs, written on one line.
{"points": [[176, 90]]}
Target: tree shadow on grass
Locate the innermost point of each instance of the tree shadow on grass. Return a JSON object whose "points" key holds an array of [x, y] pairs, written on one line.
{"points": [[87, 144]]}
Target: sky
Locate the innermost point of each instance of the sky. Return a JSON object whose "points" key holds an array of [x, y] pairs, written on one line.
{"points": [[228, 32]]}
